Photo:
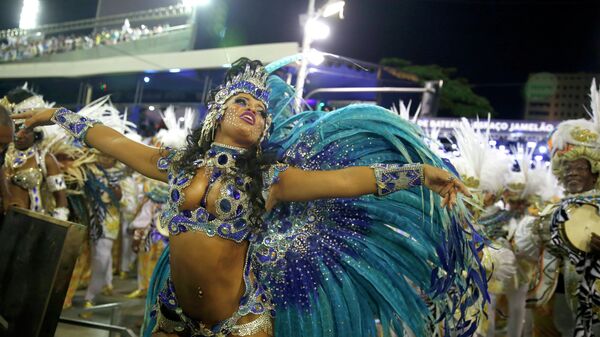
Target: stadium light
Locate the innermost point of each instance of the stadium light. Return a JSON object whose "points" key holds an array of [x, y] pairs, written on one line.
{"points": [[151, 108], [174, 70], [195, 3], [29, 14], [334, 7], [317, 30], [542, 149], [313, 30], [146, 79]]}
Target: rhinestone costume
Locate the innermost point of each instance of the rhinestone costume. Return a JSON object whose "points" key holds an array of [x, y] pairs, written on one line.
{"points": [[231, 222], [331, 266], [29, 179]]}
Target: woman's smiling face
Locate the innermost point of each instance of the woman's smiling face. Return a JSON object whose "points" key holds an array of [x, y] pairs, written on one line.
{"points": [[243, 122]]}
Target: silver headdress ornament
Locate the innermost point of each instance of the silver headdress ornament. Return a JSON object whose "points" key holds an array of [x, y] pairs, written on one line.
{"points": [[250, 81]]}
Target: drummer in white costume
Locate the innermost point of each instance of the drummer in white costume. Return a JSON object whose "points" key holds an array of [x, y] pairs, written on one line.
{"points": [[563, 237]]}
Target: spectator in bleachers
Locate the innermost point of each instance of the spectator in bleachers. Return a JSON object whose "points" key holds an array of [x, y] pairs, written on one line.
{"points": [[27, 47]]}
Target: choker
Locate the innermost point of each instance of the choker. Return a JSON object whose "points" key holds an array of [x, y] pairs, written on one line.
{"points": [[17, 158], [221, 157]]}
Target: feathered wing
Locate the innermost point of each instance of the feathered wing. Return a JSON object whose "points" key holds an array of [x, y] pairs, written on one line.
{"points": [[334, 266]]}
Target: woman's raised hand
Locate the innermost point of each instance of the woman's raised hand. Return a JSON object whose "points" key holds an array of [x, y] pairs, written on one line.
{"points": [[36, 117], [444, 183]]}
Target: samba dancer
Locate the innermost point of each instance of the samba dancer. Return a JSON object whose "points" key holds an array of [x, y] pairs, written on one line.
{"points": [[334, 264], [27, 166], [148, 241], [484, 169], [524, 186], [575, 146]]}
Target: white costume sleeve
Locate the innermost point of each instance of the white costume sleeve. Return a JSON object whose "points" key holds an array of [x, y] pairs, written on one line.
{"points": [[144, 217], [526, 240]]}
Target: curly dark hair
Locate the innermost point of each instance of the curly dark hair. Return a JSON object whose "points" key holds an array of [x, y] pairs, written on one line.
{"points": [[18, 95], [250, 163]]}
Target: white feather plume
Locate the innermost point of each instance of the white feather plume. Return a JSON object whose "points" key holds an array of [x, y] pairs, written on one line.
{"points": [[563, 136], [403, 110], [176, 133], [102, 110], [595, 105], [478, 158]]}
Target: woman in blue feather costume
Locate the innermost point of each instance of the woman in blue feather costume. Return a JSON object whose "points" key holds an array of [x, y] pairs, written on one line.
{"points": [[352, 234]]}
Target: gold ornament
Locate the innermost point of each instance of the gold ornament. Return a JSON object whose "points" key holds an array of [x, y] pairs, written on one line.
{"points": [[584, 135]]}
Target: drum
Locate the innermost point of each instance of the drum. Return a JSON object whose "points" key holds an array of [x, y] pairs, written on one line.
{"points": [[576, 232]]}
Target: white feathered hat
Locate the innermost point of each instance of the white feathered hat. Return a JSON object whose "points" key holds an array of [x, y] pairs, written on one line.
{"points": [[578, 138]]}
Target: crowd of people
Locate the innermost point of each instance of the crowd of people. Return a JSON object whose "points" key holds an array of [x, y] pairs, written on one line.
{"points": [[15, 48], [359, 224]]}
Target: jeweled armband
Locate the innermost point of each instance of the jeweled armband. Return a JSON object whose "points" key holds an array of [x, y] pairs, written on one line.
{"points": [[56, 183], [76, 125], [393, 177]]}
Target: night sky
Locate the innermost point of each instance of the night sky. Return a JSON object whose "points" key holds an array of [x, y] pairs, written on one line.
{"points": [[494, 44]]}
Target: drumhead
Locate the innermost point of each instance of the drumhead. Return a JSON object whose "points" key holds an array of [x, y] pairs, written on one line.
{"points": [[583, 221]]}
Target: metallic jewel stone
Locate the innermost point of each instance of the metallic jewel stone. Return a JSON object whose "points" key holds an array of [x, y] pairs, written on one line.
{"points": [[182, 181], [225, 205], [175, 195], [239, 224], [222, 159]]}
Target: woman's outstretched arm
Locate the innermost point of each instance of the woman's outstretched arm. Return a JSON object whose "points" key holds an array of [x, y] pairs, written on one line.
{"points": [[140, 157], [299, 185]]}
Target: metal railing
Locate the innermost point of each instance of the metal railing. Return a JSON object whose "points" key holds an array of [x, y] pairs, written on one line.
{"points": [[112, 20], [368, 89], [112, 326]]}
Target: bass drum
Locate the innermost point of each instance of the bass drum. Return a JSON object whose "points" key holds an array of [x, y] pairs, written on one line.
{"points": [[584, 220]]}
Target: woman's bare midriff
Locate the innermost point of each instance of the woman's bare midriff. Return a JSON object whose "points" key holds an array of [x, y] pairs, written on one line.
{"points": [[213, 266]]}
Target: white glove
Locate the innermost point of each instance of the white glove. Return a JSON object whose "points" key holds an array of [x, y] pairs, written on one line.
{"points": [[61, 213]]}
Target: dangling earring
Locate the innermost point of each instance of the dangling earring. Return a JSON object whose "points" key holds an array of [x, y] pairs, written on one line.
{"points": [[212, 120]]}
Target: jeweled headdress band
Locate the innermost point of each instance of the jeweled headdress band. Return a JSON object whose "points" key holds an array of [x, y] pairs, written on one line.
{"points": [[250, 81], [6, 104]]}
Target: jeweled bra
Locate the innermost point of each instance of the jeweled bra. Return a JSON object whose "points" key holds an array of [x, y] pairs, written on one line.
{"points": [[231, 221]]}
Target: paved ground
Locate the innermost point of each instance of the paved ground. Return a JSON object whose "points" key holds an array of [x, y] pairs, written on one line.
{"points": [[132, 312]]}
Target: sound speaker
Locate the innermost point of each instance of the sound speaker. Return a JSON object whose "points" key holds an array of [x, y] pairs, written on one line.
{"points": [[37, 257]]}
